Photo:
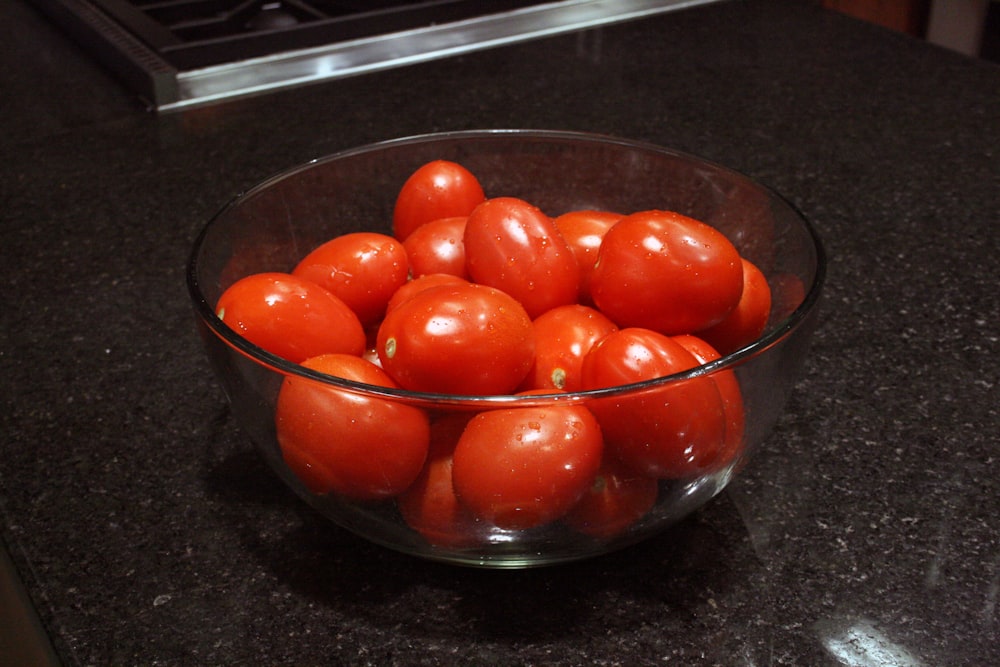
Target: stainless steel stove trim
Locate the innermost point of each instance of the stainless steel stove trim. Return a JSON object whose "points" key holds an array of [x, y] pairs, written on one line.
{"points": [[295, 68], [168, 89]]}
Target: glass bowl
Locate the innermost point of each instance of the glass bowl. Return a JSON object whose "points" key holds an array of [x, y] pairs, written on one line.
{"points": [[276, 223]]}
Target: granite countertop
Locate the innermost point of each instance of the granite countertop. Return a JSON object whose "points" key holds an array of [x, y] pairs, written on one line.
{"points": [[147, 531]]}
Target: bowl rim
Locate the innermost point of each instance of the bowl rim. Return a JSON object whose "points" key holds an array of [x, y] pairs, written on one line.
{"points": [[206, 312]]}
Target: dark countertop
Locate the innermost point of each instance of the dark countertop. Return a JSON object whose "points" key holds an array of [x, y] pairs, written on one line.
{"points": [[146, 530]]}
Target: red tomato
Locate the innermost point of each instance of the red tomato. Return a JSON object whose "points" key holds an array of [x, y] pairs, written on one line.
{"points": [[290, 317], [563, 336], [457, 339], [436, 247], [788, 292], [430, 505], [729, 391], [438, 189], [339, 441], [363, 268], [524, 467], [617, 499], [673, 431], [584, 231], [745, 323], [664, 271], [420, 284], [515, 247]]}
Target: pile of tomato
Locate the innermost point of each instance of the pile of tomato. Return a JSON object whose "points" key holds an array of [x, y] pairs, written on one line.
{"points": [[472, 296]]}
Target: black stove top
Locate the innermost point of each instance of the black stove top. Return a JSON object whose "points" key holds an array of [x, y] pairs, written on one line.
{"points": [[183, 53]]}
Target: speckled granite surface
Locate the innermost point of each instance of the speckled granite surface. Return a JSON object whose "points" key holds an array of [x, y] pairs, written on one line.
{"points": [[148, 532]]}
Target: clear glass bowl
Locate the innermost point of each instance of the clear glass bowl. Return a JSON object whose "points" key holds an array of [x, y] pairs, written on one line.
{"points": [[273, 225]]}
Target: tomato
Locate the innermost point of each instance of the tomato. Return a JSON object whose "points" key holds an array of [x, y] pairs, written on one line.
{"points": [[515, 247], [420, 284], [670, 431], [430, 506], [787, 294], [746, 216], [457, 339], [563, 336], [436, 247], [617, 499], [524, 467], [438, 189], [339, 441], [664, 271], [745, 323], [584, 231], [729, 391], [363, 268], [290, 317]]}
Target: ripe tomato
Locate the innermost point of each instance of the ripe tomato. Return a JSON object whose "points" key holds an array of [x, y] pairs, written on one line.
{"points": [[563, 336], [343, 442], [584, 231], [457, 339], [430, 506], [363, 268], [524, 467], [290, 317], [664, 271], [420, 284], [438, 189], [671, 431], [515, 247], [436, 247], [745, 323], [729, 391], [787, 294], [617, 499]]}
